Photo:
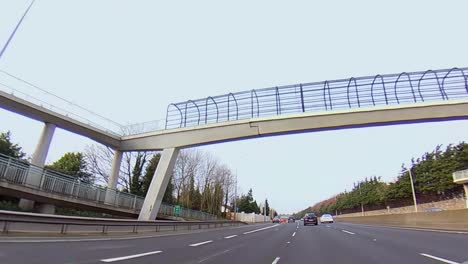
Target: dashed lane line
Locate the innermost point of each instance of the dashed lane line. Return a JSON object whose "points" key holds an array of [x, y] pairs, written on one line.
{"points": [[228, 237], [201, 243], [294, 234], [351, 233], [438, 258], [276, 260], [131, 256]]}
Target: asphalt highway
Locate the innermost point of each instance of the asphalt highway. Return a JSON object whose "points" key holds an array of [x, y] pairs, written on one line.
{"points": [[268, 243]]}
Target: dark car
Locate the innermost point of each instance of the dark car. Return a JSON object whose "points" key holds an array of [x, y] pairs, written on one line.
{"points": [[291, 219], [310, 218]]}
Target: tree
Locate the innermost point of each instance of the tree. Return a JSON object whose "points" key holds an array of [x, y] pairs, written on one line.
{"points": [[72, 164], [9, 148]]}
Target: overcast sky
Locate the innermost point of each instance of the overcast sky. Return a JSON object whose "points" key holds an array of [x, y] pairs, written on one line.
{"points": [[127, 60]]}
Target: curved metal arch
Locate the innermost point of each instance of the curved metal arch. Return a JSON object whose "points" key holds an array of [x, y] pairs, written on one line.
{"points": [[180, 111], [278, 101], [237, 106], [198, 109], [326, 86], [442, 92], [252, 92], [383, 85], [206, 109], [465, 78], [411, 85], [357, 93]]}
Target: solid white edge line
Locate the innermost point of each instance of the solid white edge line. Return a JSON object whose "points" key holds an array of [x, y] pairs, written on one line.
{"points": [[294, 234], [276, 260], [415, 229], [130, 257], [228, 237], [201, 243], [256, 230], [351, 233], [439, 259]]}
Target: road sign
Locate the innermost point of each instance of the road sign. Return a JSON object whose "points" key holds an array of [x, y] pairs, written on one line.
{"points": [[177, 210]]}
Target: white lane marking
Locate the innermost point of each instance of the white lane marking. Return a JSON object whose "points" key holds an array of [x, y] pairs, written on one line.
{"points": [[256, 230], [214, 255], [228, 237], [294, 234], [289, 242], [130, 257], [414, 229], [276, 260], [328, 226], [351, 233], [201, 243], [439, 259]]}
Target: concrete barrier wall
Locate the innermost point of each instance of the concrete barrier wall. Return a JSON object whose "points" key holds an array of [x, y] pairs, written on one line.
{"points": [[452, 204], [250, 218], [446, 220]]}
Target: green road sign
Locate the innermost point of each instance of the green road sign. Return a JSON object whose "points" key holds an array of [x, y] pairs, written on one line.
{"points": [[177, 210]]}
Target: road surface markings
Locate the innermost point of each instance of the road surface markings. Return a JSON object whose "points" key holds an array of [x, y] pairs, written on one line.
{"points": [[130, 257], [439, 259], [294, 234], [214, 255], [413, 229], [289, 242], [228, 237], [276, 260], [256, 230], [351, 233], [201, 243], [328, 226]]}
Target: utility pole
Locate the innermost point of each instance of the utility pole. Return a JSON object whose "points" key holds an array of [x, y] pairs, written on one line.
{"points": [[362, 205], [412, 190], [16, 28], [235, 199]]}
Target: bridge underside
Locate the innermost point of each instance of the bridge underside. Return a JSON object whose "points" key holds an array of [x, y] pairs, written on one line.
{"points": [[299, 123]]}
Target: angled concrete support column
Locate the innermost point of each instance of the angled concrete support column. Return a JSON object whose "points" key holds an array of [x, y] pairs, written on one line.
{"points": [[38, 160], [158, 185], [465, 186], [113, 178]]}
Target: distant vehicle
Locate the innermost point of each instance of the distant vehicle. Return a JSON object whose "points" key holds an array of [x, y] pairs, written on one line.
{"points": [[326, 218], [275, 220], [433, 209], [310, 218], [283, 219], [291, 219]]}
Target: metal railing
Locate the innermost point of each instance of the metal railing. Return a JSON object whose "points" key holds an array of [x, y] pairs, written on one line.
{"points": [[19, 222], [460, 175], [22, 173], [370, 91]]}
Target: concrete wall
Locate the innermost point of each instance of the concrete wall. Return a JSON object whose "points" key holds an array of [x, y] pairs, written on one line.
{"points": [[452, 204], [250, 218], [445, 220]]}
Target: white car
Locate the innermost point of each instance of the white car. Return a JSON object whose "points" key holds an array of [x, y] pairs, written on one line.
{"points": [[326, 218]]}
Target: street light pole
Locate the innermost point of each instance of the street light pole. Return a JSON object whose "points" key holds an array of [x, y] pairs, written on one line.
{"points": [[235, 199], [362, 205], [412, 190]]}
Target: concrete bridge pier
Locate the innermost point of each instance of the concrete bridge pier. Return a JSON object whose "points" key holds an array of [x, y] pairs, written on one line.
{"points": [[158, 185], [38, 161], [113, 178]]}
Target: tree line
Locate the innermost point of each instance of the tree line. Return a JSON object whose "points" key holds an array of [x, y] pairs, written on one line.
{"points": [[199, 181], [432, 177]]}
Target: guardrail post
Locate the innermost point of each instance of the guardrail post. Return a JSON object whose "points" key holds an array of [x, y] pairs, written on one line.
{"points": [[64, 229], [302, 98], [5, 226], [135, 229]]}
